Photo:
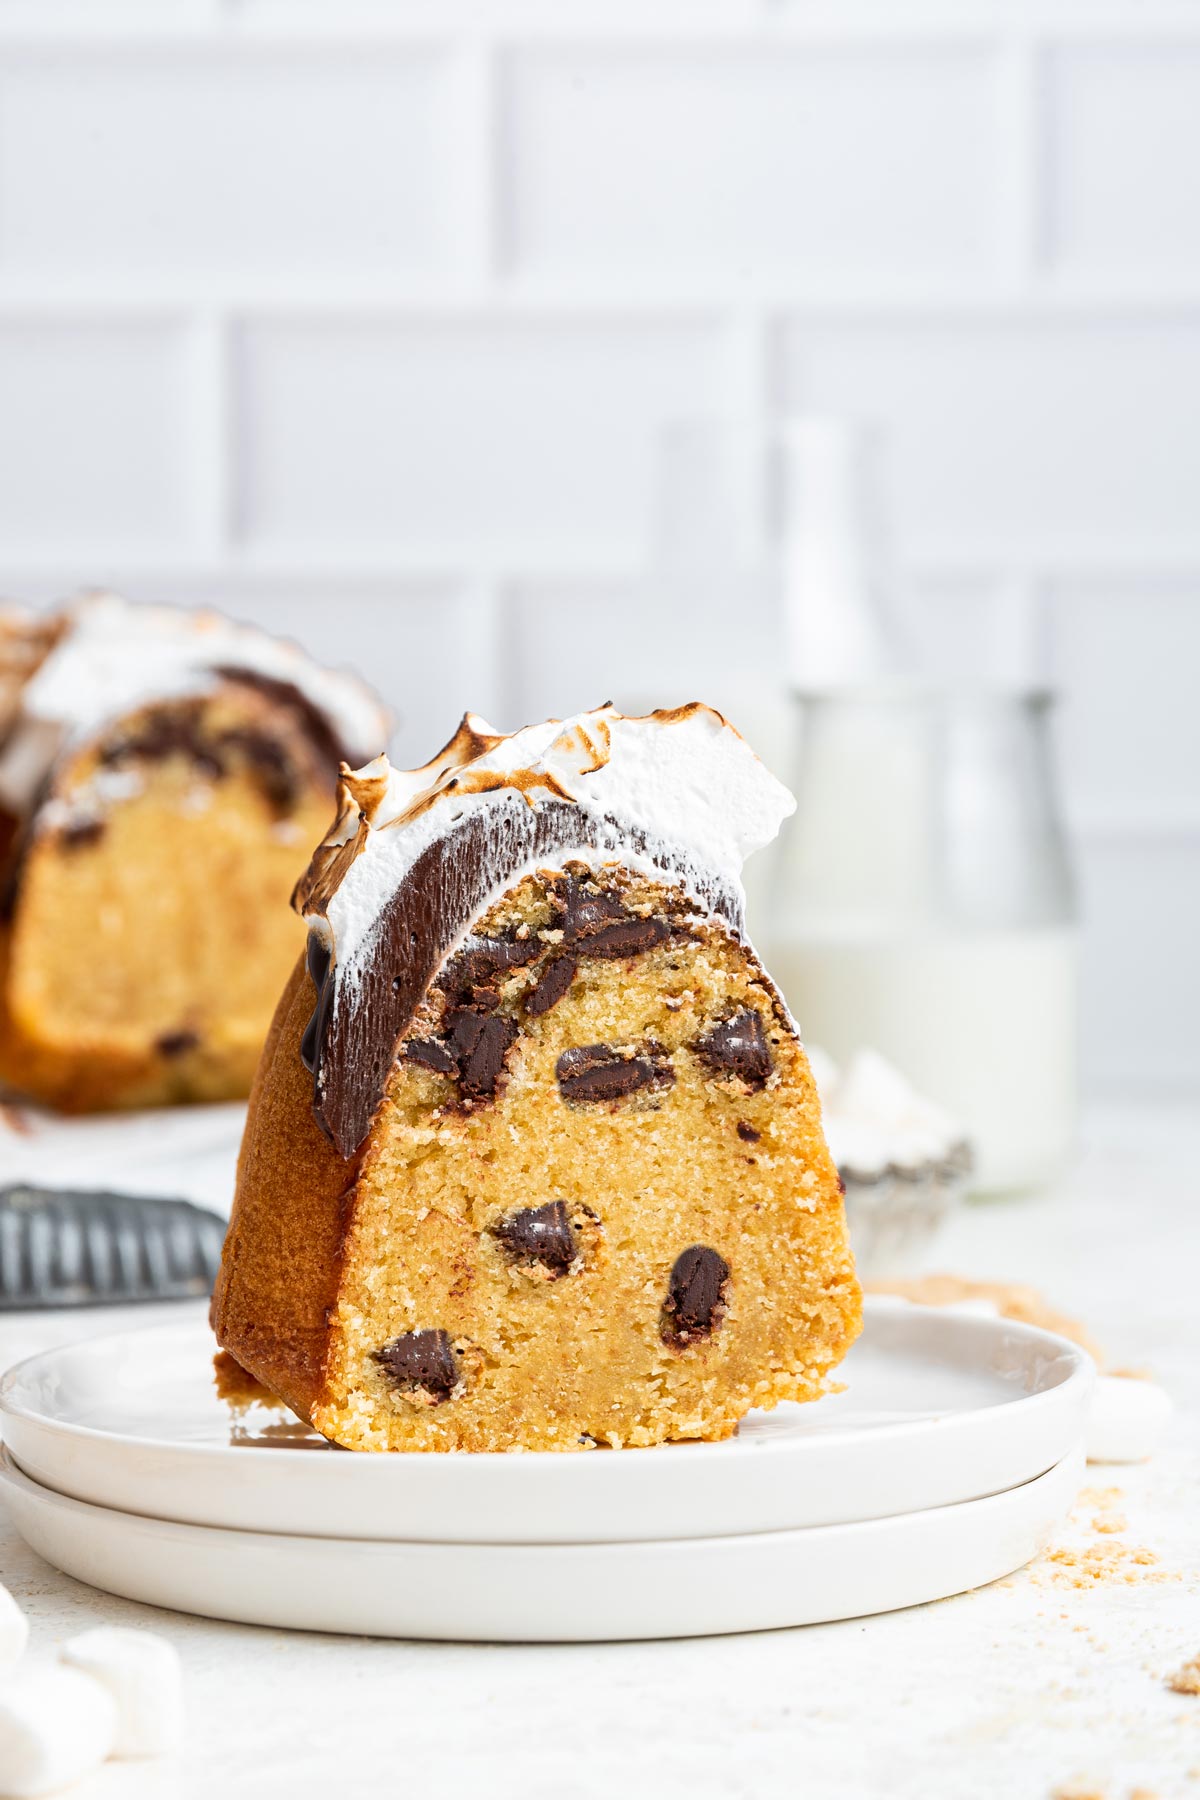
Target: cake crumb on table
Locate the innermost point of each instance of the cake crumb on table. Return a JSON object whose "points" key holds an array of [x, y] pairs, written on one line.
{"points": [[1096, 1565], [1186, 1680]]}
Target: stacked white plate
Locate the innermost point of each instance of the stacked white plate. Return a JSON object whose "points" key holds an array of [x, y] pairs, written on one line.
{"points": [[952, 1453]]}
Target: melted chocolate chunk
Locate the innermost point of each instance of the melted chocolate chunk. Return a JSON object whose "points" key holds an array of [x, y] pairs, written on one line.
{"points": [[596, 1072], [181, 730], [597, 924], [551, 985], [176, 1043], [481, 965], [421, 1359], [431, 1053], [81, 832], [747, 1132], [480, 1042], [695, 1303], [630, 937], [738, 1046], [268, 760], [166, 731], [586, 910], [540, 1234]]}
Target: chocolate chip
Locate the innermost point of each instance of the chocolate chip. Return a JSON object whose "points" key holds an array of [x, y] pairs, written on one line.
{"points": [[747, 1132], [431, 1053], [596, 924], [841, 1183], [598, 1072], [586, 911], [484, 961], [540, 1234], [176, 1043], [695, 1303], [738, 1046], [267, 760], [551, 985], [630, 937], [81, 832], [480, 1042], [421, 1359]]}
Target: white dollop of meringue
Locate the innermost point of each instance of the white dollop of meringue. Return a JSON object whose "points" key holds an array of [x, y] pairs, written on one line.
{"points": [[681, 785], [113, 656], [874, 1119]]}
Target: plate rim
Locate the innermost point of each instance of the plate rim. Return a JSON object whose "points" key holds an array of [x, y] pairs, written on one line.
{"points": [[12, 1474], [1079, 1375]]}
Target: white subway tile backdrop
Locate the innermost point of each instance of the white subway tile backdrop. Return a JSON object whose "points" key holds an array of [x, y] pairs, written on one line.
{"points": [[364, 320]]}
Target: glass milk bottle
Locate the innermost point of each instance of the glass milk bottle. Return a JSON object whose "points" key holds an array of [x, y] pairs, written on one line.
{"points": [[922, 902], [923, 907]]}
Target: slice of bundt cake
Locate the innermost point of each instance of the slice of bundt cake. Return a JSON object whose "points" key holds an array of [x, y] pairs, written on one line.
{"points": [[162, 775], [534, 1159]]}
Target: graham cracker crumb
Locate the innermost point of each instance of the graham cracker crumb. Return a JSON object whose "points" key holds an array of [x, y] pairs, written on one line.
{"points": [[1011, 1299], [1099, 1564], [1105, 1506], [1186, 1680]]}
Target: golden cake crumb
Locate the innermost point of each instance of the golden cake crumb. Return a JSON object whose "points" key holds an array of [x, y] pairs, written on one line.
{"points": [[237, 1387]]}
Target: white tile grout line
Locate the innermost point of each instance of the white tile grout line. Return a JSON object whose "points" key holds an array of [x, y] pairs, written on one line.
{"points": [[303, 297], [1095, 566], [238, 31]]}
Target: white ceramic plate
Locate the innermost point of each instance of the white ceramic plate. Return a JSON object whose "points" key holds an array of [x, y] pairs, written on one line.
{"points": [[937, 1409], [550, 1593]]}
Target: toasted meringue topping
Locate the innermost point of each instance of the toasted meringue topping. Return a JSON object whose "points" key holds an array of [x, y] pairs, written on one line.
{"points": [[683, 780]]}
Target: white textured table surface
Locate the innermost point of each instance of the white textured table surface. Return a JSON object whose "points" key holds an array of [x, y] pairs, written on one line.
{"points": [[1016, 1690]]}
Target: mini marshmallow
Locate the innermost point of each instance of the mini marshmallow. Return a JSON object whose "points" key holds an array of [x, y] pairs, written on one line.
{"points": [[14, 1632], [1127, 1419], [142, 1673], [56, 1725]]}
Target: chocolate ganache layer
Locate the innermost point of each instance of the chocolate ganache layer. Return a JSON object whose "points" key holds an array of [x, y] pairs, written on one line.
{"points": [[416, 857]]}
